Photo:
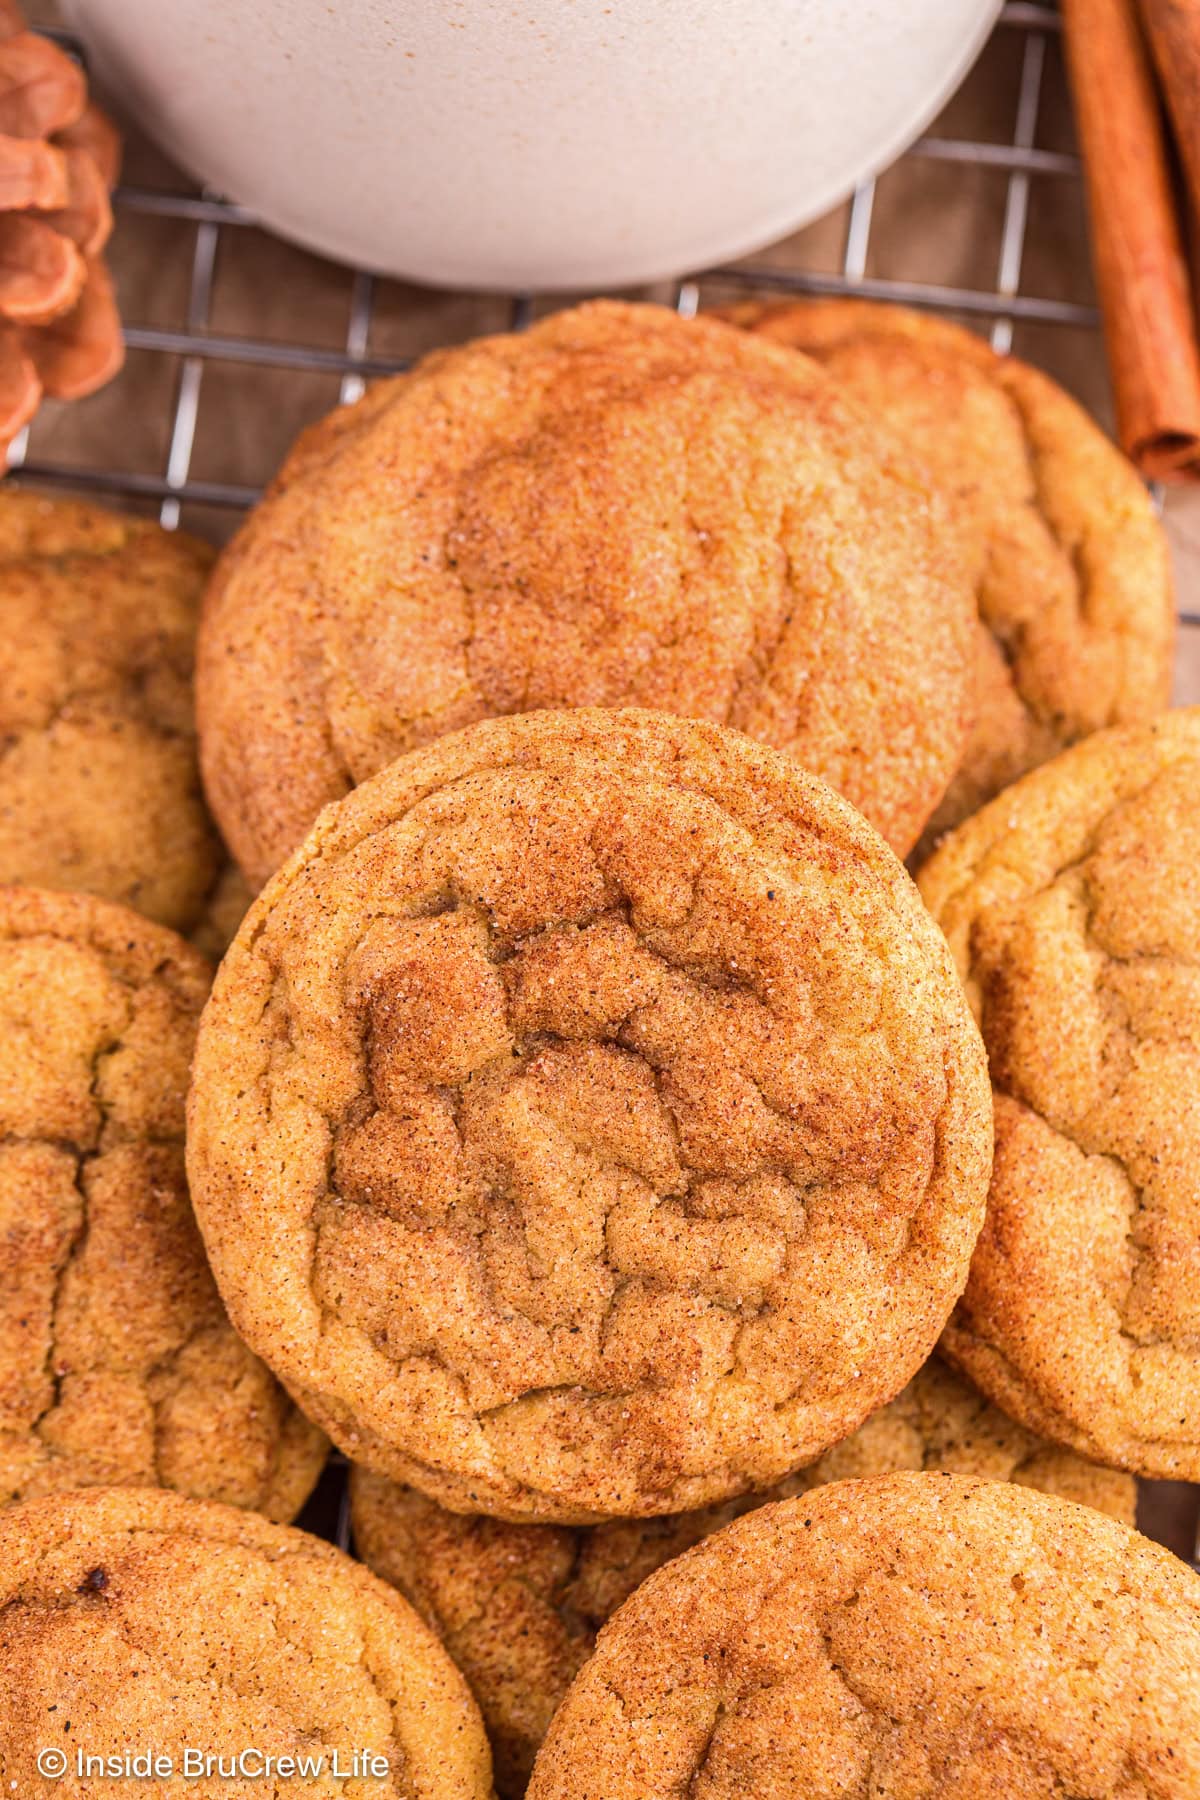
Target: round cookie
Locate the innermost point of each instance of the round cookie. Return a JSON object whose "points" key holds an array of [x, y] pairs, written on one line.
{"points": [[1071, 904], [518, 1606], [1067, 560], [588, 1121], [99, 783], [921, 1635], [117, 1360], [134, 1622], [618, 507]]}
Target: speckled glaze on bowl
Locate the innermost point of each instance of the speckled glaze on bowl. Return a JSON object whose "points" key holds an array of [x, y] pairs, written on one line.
{"points": [[562, 144]]}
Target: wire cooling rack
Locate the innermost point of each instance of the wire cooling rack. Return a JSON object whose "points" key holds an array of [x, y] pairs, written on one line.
{"points": [[1003, 303], [993, 192]]}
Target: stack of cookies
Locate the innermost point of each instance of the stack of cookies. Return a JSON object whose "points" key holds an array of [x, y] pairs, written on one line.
{"points": [[745, 1281]]}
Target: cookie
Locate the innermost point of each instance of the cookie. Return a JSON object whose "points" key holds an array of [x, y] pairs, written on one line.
{"points": [[618, 507], [588, 1121], [117, 1360], [1067, 560], [518, 1606], [136, 1623], [99, 784], [227, 906], [1071, 906], [923, 1635]]}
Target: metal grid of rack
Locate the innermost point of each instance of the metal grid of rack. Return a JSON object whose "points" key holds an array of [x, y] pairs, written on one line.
{"points": [[191, 347]]}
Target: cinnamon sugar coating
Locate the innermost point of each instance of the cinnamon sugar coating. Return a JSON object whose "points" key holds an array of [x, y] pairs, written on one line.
{"points": [[99, 785], [141, 1622], [921, 1635], [1065, 556], [1071, 905], [588, 1121], [519, 1606], [616, 508], [117, 1360]]}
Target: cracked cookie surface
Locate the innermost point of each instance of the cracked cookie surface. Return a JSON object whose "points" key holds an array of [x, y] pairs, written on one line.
{"points": [[118, 1363], [518, 1606], [1071, 905], [1067, 561], [135, 1621], [99, 781], [920, 1635], [615, 508], [588, 1121]]}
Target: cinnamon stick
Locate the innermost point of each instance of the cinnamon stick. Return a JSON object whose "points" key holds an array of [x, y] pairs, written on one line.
{"points": [[1173, 30], [1137, 244]]}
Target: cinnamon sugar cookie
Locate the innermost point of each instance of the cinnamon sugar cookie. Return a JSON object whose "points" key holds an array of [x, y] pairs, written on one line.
{"points": [[135, 1622], [1067, 560], [921, 1635], [99, 783], [618, 507], [1072, 906], [117, 1361], [588, 1121], [518, 1606]]}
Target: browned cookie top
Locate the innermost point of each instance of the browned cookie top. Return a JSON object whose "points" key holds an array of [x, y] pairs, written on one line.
{"points": [[616, 508], [1067, 560], [99, 784], [1073, 907], [117, 1360], [134, 1622], [587, 1120], [918, 1635], [519, 1606]]}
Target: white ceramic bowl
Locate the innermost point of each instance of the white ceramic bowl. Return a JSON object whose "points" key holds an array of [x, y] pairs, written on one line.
{"points": [[518, 144]]}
